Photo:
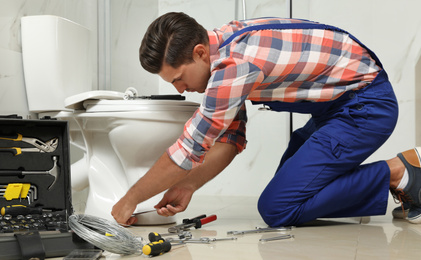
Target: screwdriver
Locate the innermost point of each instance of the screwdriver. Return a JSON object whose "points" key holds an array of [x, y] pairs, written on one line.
{"points": [[155, 237], [15, 210], [156, 248]]}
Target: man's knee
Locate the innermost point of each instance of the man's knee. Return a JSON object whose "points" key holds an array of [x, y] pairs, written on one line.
{"points": [[274, 214]]}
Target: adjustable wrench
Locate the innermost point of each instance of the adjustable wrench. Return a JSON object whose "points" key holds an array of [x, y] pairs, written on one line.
{"points": [[40, 146], [259, 230]]}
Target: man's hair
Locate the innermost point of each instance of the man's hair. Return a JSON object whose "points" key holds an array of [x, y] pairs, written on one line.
{"points": [[171, 38]]}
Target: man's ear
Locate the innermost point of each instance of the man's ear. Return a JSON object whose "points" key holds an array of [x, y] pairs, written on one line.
{"points": [[200, 51]]}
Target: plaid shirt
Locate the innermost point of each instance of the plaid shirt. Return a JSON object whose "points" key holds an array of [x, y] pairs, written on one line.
{"points": [[288, 65]]}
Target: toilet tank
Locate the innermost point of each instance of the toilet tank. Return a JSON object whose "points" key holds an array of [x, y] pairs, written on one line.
{"points": [[56, 61]]}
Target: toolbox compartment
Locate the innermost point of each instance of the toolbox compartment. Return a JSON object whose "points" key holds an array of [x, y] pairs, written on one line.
{"points": [[47, 192]]}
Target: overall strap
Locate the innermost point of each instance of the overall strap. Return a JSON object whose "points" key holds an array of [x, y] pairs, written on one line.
{"points": [[282, 26]]}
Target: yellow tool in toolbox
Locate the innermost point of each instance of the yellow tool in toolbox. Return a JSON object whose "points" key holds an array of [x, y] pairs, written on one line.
{"points": [[40, 146]]}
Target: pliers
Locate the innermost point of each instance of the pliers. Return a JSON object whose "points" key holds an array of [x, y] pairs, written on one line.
{"points": [[196, 222], [40, 146]]}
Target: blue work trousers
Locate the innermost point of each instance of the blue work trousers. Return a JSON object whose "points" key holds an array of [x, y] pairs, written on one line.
{"points": [[320, 174]]}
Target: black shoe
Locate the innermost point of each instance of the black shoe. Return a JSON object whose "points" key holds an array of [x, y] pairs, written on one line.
{"points": [[411, 194]]}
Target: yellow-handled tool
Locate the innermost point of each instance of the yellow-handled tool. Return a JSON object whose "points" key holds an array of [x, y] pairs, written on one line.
{"points": [[15, 210], [40, 146], [156, 248], [155, 237]]}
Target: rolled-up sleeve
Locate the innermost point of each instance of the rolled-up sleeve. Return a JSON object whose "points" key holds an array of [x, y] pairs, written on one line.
{"points": [[221, 116]]}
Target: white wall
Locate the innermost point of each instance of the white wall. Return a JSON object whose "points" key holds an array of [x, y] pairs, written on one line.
{"points": [[129, 21], [393, 31], [12, 86]]}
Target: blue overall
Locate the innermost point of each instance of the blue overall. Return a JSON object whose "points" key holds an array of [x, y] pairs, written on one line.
{"points": [[320, 174]]}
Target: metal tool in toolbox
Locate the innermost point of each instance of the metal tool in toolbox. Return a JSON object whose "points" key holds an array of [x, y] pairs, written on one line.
{"points": [[20, 210], [39, 220], [40, 146], [19, 191], [52, 172], [196, 222]]}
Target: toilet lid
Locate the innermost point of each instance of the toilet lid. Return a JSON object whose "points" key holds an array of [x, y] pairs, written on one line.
{"points": [[113, 101], [76, 101], [103, 105]]}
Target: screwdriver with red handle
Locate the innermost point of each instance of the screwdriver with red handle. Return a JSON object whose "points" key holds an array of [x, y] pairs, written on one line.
{"points": [[196, 222]]}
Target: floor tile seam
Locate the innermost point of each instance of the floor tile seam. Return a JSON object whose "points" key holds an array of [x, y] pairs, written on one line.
{"points": [[358, 239]]}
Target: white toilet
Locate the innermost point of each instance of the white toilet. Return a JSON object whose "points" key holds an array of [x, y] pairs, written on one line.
{"points": [[121, 138]]}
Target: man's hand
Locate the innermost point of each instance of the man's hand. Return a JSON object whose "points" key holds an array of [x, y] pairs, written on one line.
{"points": [[166, 174], [122, 212], [178, 197], [175, 200], [163, 174]]}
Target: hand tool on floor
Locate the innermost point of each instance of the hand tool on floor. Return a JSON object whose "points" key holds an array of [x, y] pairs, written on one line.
{"points": [[154, 237], [52, 172], [202, 240], [196, 222], [156, 248], [40, 146], [259, 230], [276, 238], [159, 245]]}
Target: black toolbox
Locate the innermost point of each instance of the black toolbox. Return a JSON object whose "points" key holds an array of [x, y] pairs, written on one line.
{"points": [[35, 190]]}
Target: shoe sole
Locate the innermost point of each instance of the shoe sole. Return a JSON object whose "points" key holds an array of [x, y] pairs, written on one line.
{"points": [[415, 220], [398, 214]]}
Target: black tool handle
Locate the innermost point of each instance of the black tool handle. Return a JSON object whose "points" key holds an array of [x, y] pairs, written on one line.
{"points": [[168, 97], [155, 237], [11, 173], [156, 248], [13, 137], [16, 210], [193, 220], [14, 150], [206, 220]]}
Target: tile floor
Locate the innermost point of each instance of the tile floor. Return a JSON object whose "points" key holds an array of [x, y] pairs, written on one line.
{"points": [[378, 237]]}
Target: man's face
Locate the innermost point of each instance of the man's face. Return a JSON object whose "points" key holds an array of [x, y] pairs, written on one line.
{"points": [[191, 77]]}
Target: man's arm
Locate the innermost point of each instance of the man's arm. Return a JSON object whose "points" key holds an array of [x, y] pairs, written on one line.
{"points": [[163, 174], [177, 198]]}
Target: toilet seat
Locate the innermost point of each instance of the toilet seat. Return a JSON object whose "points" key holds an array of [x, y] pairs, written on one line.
{"points": [[76, 101], [92, 106], [112, 101]]}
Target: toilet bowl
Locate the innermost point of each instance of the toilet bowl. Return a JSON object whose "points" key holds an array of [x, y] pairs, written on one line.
{"points": [[120, 138]]}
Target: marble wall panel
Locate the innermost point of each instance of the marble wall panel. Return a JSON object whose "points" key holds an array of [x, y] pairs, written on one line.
{"points": [[12, 85]]}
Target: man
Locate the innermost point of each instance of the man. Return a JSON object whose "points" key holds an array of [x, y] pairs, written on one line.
{"points": [[288, 65]]}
